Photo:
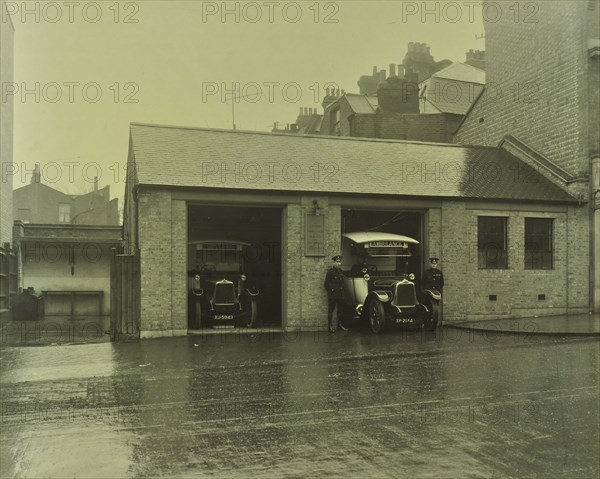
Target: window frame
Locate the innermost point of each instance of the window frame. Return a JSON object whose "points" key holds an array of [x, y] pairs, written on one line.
{"points": [[484, 259], [545, 257], [62, 218]]}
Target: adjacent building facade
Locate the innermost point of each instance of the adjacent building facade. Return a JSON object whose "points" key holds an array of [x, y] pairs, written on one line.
{"points": [[38, 203], [542, 89], [502, 229], [8, 263], [418, 100], [66, 244]]}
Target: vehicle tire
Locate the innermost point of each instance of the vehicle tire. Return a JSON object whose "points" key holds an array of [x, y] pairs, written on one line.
{"points": [[253, 313], [376, 316], [432, 323]]}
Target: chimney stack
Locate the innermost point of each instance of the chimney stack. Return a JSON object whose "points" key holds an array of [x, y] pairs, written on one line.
{"points": [[392, 69], [476, 58], [400, 71], [36, 177]]}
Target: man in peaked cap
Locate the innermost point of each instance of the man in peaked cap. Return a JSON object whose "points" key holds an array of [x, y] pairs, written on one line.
{"points": [[334, 284], [433, 278]]}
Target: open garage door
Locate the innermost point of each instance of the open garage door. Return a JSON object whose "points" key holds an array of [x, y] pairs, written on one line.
{"points": [[408, 223], [242, 246]]}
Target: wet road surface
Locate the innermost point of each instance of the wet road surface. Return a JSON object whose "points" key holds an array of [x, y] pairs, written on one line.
{"points": [[451, 404]]}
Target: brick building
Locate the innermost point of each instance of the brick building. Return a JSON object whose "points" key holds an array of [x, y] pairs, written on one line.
{"points": [[420, 100], [402, 108], [501, 228], [65, 246], [40, 204], [69, 264], [542, 89], [8, 270]]}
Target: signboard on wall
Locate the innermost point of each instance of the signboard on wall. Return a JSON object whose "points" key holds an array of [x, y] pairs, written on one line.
{"points": [[314, 235]]}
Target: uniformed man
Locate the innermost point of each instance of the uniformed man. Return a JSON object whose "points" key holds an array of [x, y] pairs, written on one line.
{"points": [[433, 278], [334, 284]]}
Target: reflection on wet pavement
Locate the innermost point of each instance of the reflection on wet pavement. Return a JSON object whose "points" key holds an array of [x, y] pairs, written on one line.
{"points": [[450, 404]]}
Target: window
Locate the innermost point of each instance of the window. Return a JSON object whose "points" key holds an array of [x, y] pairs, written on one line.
{"points": [[64, 213], [538, 243], [492, 242]]}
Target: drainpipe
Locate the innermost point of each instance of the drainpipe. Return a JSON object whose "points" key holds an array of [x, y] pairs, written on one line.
{"points": [[595, 186]]}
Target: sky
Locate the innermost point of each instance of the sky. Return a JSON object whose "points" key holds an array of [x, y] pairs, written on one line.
{"points": [[84, 70]]}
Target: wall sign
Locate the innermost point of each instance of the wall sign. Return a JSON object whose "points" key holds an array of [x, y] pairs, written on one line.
{"points": [[314, 235]]}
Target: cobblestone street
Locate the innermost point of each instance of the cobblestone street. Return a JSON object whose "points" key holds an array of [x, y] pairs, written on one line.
{"points": [[452, 404]]}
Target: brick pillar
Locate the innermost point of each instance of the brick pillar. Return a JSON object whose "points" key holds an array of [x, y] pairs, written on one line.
{"points": [[163, 238], [178, 267], [578, 260], [305, 298], [292, 270], [454, 259]]}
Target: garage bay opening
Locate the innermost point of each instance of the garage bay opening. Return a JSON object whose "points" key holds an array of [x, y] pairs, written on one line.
{"points": [[408, 223], [234, 267]]}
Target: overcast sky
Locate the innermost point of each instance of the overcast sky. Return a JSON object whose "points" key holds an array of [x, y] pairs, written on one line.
{"points": [[166, 62]]}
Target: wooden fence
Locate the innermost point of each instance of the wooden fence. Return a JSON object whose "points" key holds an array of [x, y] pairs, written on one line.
{"points": [[125, 297]]}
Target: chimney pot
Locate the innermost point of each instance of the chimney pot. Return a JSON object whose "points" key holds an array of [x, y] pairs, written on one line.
{"points": [[375, 70], [392, 70]]}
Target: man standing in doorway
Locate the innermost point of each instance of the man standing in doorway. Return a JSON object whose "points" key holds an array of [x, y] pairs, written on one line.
{"points": [[334, 284], [433, 278]]}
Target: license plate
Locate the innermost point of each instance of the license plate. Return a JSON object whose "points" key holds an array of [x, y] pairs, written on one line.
{"points": [[404, 320], [224, 316]]}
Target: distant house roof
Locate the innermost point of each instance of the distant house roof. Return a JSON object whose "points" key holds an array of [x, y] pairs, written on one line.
{"points": [[225, 159], [462, 72], [452, 90], [312, 126], [362, 103]]}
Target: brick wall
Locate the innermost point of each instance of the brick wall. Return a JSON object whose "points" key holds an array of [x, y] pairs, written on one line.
{"points": [[536, 81], [179, 266], [6, 129], [162, 240], [450, 232], [467, 289], [408, 126], [305, 297]]}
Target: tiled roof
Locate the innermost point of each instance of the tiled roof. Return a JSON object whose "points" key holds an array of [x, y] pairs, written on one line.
{"points": [[313, 125], [362, 103], [448, 96], [462, 72], [194, 157], [452, 90]]}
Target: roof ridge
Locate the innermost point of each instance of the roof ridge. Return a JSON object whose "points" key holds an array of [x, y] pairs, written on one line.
{"points": [[317, 137]]}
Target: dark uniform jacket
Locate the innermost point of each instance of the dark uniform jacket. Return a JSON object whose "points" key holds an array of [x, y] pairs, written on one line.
{"points": [[334, 283], [433, 279]]}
